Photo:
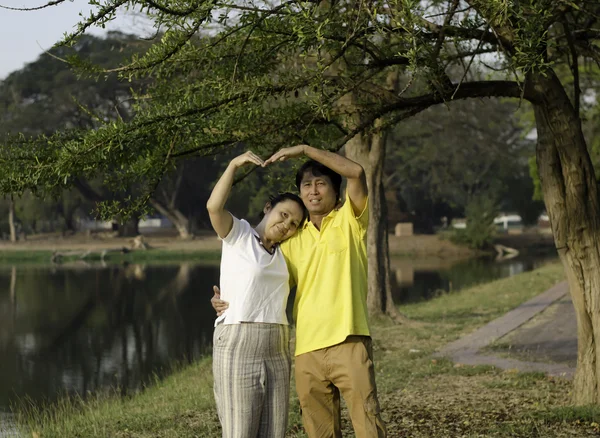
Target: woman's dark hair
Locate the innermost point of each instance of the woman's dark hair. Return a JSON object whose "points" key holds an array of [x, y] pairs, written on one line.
{"points": [[318, 169], [274, 200]]}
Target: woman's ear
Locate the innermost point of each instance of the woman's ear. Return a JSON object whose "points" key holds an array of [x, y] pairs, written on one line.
{"points": [[267, 208]]}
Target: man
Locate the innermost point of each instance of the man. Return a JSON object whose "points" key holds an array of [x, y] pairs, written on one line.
{"points": [[328, 263]]}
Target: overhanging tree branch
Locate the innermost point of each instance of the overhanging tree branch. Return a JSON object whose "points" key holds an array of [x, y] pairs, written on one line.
{"points": [[411, 106]]}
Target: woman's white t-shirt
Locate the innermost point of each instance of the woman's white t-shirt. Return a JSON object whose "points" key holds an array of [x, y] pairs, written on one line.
{"points": [[253, 281]]}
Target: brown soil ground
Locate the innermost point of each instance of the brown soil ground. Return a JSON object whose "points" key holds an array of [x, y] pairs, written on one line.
{"points": [[167, 240], [427, 245]]}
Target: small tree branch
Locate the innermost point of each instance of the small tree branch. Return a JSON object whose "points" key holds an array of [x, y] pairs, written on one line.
{"points": [[574, 66], [442, 31], [165, 57], [174, 12], [453, 31], [35, 8]]}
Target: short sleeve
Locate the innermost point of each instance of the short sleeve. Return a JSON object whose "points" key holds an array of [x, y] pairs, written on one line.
{"points": [[239, 228], [363, 218]]}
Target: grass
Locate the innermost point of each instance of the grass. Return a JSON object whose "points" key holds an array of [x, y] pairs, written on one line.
{"points": [[154, 255], [420, 396]]}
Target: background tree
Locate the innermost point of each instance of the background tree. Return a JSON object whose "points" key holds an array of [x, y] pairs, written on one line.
{"points": [[46, 96], [448, 158]]}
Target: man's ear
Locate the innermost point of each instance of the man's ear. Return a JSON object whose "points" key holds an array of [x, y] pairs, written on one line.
{"points": [[267, 208]]}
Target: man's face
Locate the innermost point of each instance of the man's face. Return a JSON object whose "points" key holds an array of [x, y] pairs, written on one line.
{"points": [[317, 193]]}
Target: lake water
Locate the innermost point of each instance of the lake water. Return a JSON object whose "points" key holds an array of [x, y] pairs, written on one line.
{"points": [[80, 328]]}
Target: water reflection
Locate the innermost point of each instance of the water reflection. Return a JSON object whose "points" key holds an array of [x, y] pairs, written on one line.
{"points": [[74, 330], [422, 280]]}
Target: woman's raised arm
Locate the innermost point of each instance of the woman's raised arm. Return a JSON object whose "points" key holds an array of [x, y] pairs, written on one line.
{"points": [[219, 217]]}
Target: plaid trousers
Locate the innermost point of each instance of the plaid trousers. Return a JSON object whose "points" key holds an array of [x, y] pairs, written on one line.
{"points": [[251, 368]]}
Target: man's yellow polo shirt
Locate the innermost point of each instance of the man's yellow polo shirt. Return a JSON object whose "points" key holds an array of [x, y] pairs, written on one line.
{"points": [[329, 268]]}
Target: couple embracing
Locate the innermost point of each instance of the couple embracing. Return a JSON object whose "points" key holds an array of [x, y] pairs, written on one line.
{"points": [[317, 243]]}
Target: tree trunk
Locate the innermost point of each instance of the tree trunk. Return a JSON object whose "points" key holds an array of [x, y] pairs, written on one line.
{"points": [[571, 198], [369, 151], [68, 212], [129, 228], [11, 220], [182, 224], [70, 222]]}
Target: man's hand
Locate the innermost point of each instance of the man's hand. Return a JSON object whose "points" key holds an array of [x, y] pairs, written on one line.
{"points": [[285, 153], [218, 304]]}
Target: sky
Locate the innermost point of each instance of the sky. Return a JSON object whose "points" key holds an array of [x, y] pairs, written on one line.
{"points": [[24, 36]]}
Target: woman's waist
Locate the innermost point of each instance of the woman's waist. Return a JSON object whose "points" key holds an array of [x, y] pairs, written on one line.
{"points": [[254, 338]]}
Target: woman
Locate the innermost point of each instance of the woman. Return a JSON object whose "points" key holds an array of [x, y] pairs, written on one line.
{"points": [[251, 357]]}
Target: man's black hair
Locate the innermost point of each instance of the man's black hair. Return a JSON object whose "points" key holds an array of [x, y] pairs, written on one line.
{"points": [[318, 169]]}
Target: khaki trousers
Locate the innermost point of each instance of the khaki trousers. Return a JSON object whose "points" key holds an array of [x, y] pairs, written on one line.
{"points": [[345, 368]]}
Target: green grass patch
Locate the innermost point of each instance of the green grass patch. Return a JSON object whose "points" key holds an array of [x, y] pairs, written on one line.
{"points": [[151, 255], [475, 306], [525, 380], [180, 405], [421, 396], [571, 414], [24, 256]]}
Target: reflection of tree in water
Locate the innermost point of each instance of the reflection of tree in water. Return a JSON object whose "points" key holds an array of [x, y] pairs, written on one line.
{"points": [[133, 321], [8, 311], [116, 327]]}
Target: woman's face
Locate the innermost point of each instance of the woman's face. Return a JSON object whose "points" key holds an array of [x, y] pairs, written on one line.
{"points": [[283, 220]]}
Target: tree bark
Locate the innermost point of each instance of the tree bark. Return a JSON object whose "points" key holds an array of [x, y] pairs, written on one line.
{"points": [[68, 211], [182, 224], [571, 197], [70, 223], [369, 151], [129, 228], [11, 220]]}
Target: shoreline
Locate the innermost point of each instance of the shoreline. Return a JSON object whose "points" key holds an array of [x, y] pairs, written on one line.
{"points": [[207, 247]]}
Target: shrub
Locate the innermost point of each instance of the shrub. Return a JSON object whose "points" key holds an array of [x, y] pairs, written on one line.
{"points": [[479, 233]]}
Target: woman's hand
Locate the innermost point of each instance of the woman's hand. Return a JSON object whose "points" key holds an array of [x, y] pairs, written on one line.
{"points": [[246, 158], [218, 304]]}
